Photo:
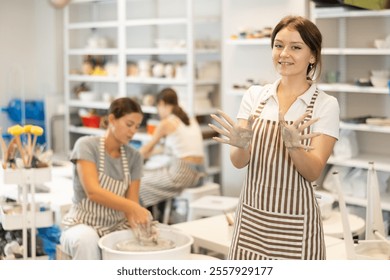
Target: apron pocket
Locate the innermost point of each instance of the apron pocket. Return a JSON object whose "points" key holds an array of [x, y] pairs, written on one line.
{"points": [[270, 235]]}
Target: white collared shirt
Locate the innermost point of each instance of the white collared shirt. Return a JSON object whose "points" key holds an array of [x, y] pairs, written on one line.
{"points": [[326, 107]]}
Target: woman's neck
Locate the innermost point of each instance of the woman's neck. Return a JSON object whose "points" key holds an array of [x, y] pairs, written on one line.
{"points": [[288, 91], [111, 146], [292, 87]]}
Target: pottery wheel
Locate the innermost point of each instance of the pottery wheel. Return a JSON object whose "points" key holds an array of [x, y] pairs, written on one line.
{"points": [[132, 245]]}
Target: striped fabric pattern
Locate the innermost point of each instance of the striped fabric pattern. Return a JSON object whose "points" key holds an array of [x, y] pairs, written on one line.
{"points": [[104, 220], [167, 182], [278, 217]]}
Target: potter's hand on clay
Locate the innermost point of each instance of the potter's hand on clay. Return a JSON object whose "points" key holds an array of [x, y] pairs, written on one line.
{"points": [[235, 135], [147, 234], [291, 134]]}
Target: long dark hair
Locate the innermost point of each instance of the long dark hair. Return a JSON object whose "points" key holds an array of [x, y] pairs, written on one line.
{"points": [[121, 107], [169, 96], [310, 34]]}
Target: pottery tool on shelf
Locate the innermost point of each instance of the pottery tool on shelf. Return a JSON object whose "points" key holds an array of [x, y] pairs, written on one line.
{"points": [[36, 131], [27, 131], [4, 150], [16, 131]]}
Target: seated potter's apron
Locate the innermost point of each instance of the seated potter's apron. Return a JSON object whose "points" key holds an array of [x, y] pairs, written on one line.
{"points": [[104, 220]]}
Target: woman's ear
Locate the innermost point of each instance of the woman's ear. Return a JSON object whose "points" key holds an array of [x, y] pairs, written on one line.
{"points": [[110, 119]]}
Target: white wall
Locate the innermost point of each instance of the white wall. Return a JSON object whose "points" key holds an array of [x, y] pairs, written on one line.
{"points": [[244, 62], [30, 52]]}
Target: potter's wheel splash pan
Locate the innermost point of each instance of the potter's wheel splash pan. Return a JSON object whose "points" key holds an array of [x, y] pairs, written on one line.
{"points": [[182, 249]]}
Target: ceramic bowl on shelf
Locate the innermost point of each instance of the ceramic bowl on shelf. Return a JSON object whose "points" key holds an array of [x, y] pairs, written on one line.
{"points": [[91, 121], [88, 96], [380, 73], [380, 43], [379, 81]]}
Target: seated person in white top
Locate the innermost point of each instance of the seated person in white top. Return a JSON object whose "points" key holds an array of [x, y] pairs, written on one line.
{"points": [[184, 144]]}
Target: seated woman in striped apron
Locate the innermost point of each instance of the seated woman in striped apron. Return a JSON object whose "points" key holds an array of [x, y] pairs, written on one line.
{"points": [[284, 135], [184, 146], [106, 182]]}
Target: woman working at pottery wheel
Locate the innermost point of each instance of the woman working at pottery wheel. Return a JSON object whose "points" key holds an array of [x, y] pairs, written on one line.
{"points": [[184, 146], [107, 174]]}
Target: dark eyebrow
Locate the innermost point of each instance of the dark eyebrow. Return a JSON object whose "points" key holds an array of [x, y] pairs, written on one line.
{"points": [[280, 41]]}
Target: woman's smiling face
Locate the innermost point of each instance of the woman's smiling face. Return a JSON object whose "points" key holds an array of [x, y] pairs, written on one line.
{"points": [[290, 55]]}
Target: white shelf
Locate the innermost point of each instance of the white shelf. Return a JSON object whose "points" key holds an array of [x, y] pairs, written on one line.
{"points": [[205, 111], [89, 25], [27, 176], [339, 87], [168, 81], [146, 51], [382, 162], [355, 51], [104, 105], [170, 21], [170, 51], [156, 21], [249, 42], [365, 127], [207, 82], [90, 78], [385, 201], [90, 104], [100, 132], [86, 130], [157, 81], [15, 221], [343, 12], [89, 51]]}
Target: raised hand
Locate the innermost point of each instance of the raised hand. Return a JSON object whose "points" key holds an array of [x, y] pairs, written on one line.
{"points": [[291, 134], [235, 135]]}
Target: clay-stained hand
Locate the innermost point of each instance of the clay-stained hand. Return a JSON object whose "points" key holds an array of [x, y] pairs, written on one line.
{"points": [[147, 234], [292, 134], [235, 135]]}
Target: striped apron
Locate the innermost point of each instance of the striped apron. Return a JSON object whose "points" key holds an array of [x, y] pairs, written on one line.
{"points": [[167, 182], [104, 220], [278, 216]]}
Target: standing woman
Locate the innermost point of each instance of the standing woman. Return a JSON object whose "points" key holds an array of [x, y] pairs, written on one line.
{"points": [[106, 182], [184, 145], [285, 134]]}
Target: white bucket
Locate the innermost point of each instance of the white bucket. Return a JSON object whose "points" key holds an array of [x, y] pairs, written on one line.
{"points": [[181, 251]]}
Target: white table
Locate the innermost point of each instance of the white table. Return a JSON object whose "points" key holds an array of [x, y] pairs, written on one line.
{"points": [[214, 233], [333, 225]]}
